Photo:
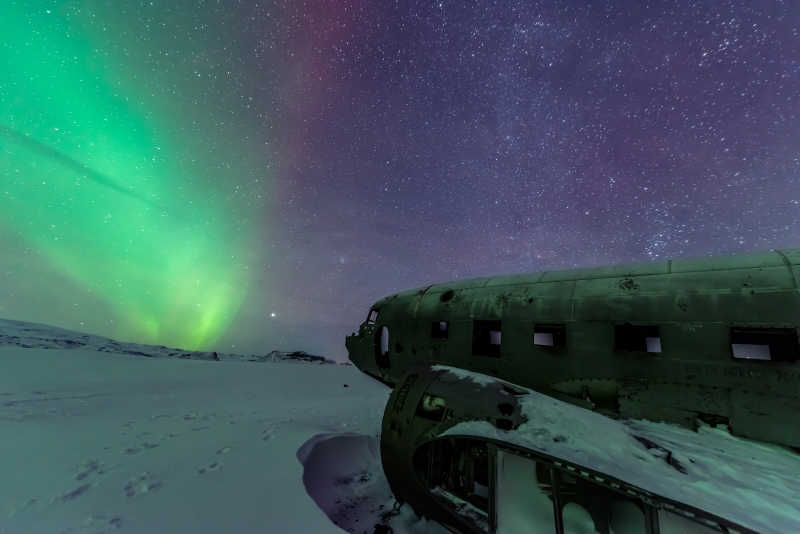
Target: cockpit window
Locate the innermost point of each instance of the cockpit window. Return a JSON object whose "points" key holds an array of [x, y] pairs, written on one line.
{"points": [[372, 316]]}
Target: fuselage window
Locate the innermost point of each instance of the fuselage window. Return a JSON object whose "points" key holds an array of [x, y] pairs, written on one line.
{"points": [[439, 330], [776, 344], [486, 338], [382, 347], [642, 338], [653, 344], [384, 341], [549, 335], [372, 316]]}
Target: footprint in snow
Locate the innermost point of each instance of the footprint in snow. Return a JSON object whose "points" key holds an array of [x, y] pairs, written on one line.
{"points": [[86, 472], [73, 494], [214, 466], [137, 450], [99, 521], [88, 468], [143, 484]]}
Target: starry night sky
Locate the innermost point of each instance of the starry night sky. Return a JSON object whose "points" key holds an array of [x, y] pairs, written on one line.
{"points": [[246, 176]]}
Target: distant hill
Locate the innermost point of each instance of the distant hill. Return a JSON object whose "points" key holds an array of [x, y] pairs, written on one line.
{"points": [[42, 336]]}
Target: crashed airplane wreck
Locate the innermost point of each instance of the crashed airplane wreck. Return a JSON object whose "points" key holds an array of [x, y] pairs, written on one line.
{"points": [[655, 399]]}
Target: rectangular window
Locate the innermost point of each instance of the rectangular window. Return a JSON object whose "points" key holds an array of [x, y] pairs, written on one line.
{"points": [[486, 338], [372, 316], [550, 335], [494, 337], [439, 330], [653, 344], [775, 344], [641, 338]]}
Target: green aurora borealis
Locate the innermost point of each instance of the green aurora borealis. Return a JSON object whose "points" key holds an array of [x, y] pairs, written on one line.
{"points": [[122, 180]]}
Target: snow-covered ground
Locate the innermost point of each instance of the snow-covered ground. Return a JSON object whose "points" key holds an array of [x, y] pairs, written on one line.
{"points": [[141, 441], [94, 441]]}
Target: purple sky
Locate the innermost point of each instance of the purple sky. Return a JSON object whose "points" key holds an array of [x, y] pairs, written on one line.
{"points": [[409, 143], [440, 142]]}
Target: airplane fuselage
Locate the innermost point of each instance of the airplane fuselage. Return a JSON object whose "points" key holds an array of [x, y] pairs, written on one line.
{"points": [[714, 339]]}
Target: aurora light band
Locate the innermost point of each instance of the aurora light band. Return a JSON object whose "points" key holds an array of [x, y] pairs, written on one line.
{"points": [[106, 186]]}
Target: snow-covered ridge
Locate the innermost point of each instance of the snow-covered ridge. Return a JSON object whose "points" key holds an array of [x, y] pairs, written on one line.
{"points": [[41, 336]]}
